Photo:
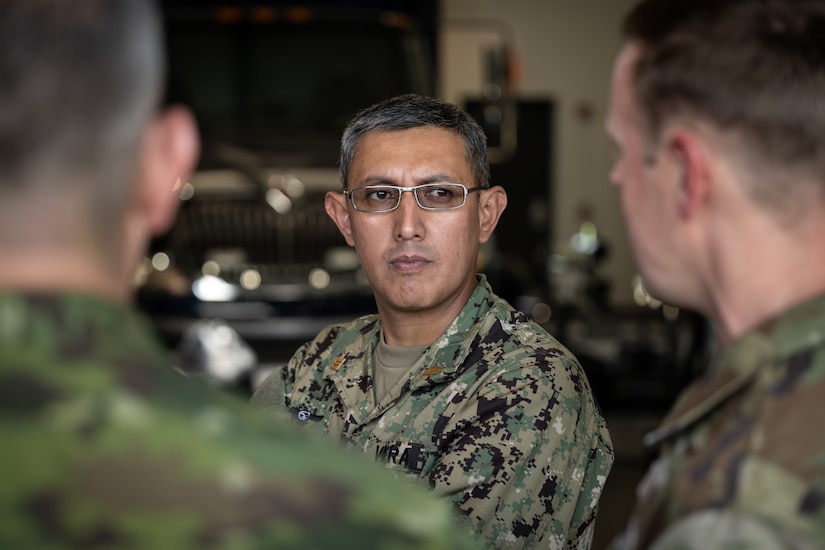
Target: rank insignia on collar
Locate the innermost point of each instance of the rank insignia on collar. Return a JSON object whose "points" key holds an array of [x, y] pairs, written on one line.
{"points": [[337, 364], [432, 370]]}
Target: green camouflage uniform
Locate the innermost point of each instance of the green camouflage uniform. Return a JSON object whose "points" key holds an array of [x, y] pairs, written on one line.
{"points": [[743, 452], [103, 445], [496, 416]]}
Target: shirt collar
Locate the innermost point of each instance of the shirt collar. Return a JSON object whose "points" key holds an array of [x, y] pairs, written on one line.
{"points": [[775, 341]]}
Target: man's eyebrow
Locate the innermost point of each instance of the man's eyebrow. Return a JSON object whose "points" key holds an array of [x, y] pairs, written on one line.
{"points": [[439, 177], [376, 180]]}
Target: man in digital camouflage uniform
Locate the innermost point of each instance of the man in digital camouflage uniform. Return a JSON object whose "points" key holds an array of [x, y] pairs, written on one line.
{"points": [[718, 114], [447, 384], [102, 444]]}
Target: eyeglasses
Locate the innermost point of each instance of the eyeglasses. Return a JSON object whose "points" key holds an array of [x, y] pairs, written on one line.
{"points": [[429, 196]]}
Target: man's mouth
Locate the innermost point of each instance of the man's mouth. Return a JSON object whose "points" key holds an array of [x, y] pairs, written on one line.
{"points": [[409, 263]]}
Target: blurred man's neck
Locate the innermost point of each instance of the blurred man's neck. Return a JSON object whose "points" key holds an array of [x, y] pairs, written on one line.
{"points": [[48, 245], [787, 268], [60, 271]]}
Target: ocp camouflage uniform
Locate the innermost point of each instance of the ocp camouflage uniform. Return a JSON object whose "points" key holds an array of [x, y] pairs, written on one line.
{"points": [[103, 445], [743, 452], [496, 416]]}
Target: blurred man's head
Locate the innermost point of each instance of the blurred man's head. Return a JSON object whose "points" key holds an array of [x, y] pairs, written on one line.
{"points": [[80, 82], [81, 131], [707, 91]]}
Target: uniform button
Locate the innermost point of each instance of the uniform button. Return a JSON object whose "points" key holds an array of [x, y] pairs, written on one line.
{"points": [[303, 415]]}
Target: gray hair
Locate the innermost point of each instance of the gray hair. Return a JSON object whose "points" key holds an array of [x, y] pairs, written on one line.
{"points": [[80, 80], [413, 111]]}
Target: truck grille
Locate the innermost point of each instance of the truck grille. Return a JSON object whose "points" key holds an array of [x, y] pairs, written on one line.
{"points": [[283, 248]]}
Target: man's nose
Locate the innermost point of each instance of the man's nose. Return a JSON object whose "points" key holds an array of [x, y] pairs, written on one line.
{"points": [[408, 217]]}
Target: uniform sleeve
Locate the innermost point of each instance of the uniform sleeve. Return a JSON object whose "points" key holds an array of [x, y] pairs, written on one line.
{"points": [[197, 472], [529, 456], [269, 394], [728, 529]]}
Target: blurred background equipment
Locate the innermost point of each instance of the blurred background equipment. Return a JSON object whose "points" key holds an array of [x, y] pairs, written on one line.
{"points": [[211, 349]]}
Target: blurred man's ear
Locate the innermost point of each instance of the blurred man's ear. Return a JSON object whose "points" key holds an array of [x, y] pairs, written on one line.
{"points": [[170, 152], [693, 169]]}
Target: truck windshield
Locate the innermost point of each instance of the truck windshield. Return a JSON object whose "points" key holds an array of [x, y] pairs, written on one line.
{"points": [[252, 83]]}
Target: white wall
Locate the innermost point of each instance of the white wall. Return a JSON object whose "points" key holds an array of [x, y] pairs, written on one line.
{"points": [[566, 49]]}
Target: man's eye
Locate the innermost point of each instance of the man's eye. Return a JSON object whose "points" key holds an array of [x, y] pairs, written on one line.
{"points": [[441, 194], [380, 194]]}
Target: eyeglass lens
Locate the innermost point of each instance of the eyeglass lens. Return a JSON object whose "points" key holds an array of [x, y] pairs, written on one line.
{"points": [[436, 196]]}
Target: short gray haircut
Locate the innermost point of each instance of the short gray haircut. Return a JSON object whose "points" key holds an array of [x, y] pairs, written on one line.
{"points": [[80, 80], [413, 111]]}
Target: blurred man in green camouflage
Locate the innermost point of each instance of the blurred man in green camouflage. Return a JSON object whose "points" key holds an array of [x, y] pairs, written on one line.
{"points": [[102, 444], [447, 384], [718, 114]]}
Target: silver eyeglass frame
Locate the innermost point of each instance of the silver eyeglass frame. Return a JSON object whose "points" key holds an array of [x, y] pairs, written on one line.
{"points": [[414, 190]]}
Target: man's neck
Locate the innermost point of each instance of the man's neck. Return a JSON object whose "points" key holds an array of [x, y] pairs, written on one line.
{"points": [[411, 329], [758, 283], [421, 327], [60, 272]]}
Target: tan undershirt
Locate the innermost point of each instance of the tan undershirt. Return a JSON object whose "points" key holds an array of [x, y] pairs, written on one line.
{"points": [[391, 364]]}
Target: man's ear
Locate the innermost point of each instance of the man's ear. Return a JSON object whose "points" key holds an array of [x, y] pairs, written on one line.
{"points": [[171, 147], [335, 204], [689, 154], [493, 201]]}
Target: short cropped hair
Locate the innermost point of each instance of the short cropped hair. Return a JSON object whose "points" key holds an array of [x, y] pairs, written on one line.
{"points": [[413, 111], [754, 68], [78, 82]]}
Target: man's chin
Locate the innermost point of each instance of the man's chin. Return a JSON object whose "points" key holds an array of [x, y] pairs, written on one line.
{"points": [[408, 298]]}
